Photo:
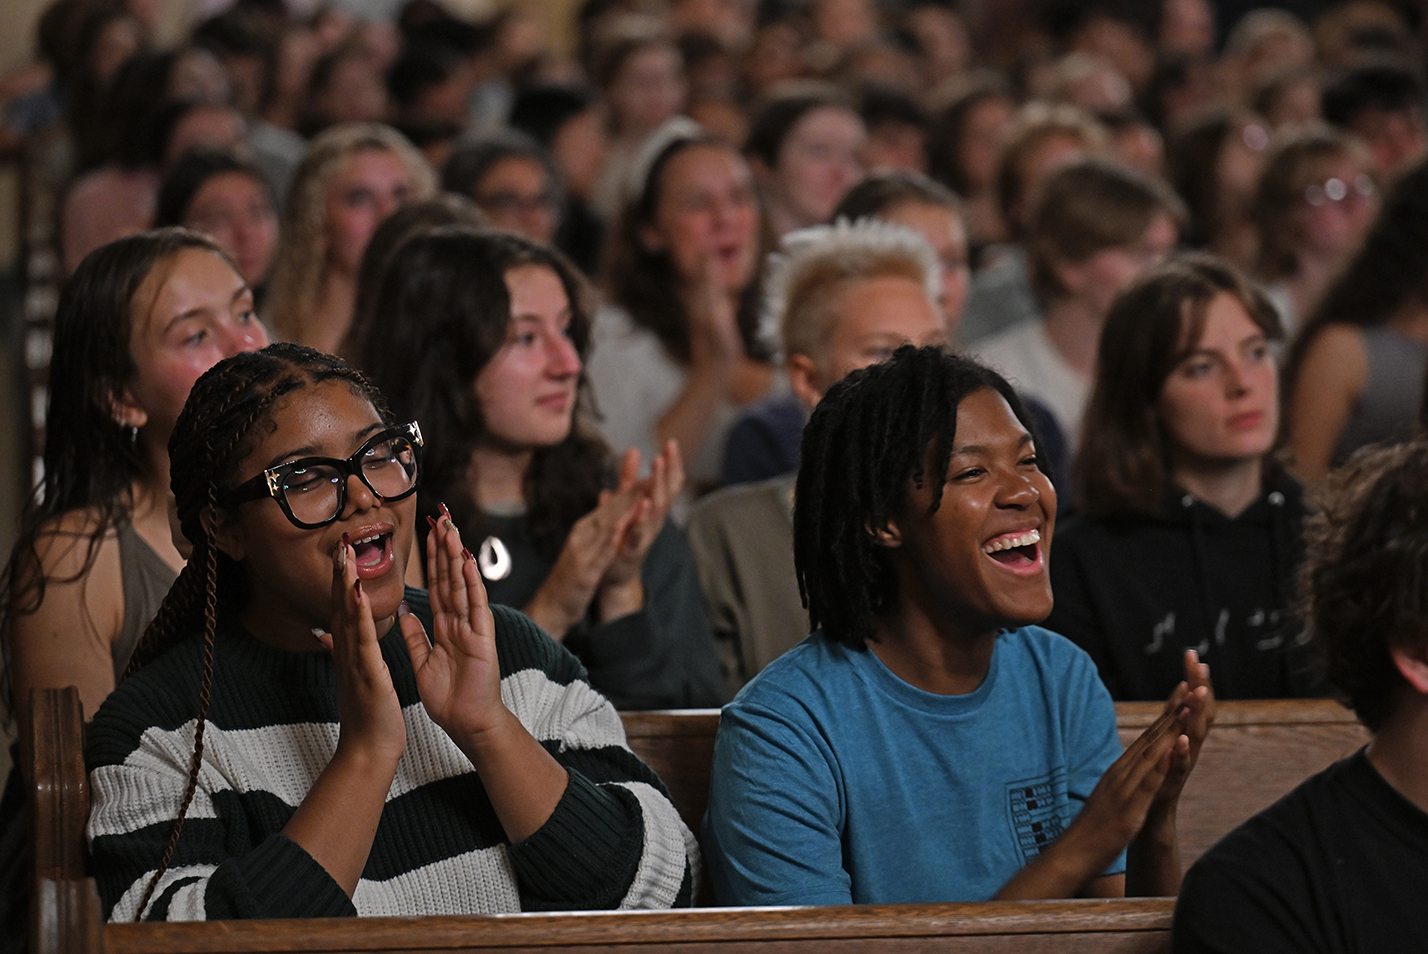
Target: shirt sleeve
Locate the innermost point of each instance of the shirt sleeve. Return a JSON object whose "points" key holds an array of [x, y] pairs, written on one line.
{"points": [[615, 839], [773, 831], [215, 872]]}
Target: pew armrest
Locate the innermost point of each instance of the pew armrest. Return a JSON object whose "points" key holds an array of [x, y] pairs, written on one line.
{"points": [[59, 784]]}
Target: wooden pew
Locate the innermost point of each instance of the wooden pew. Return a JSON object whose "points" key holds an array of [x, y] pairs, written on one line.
{"points": [[1257, 752], [1036, 927]]}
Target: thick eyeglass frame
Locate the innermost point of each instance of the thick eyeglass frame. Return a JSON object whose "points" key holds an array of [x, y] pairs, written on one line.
{"points": [[270, 482]]}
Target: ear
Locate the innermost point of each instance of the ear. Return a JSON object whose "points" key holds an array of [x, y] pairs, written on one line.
{"points": [[886, 536], [1412, 664], [125, 410], [224, 531], [804, 379]]}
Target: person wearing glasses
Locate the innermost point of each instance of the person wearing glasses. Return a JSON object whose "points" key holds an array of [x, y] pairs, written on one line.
{"points": [[1355, 373], [1315, 200], [512, 180], [303, 736]]}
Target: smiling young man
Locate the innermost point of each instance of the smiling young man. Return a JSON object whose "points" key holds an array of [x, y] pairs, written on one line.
{"points": [[929, 742]]}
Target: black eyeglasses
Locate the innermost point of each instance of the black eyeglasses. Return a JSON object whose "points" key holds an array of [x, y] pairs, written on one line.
{"points": [[313, 490]]}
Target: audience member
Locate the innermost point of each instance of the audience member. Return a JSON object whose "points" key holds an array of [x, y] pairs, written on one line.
{"points": [[512, 181], [1355, 374], [138, 322], [929, 742], [1042, 139], [842, 296], [352, 178], [1096, 227], [805, 147], [1382, 104], [480, 336], [677, 355], [1317, 196], [1187, 532], [1215, 165], [1337, 864], [227, 198], [962, 149], [291, 617]]}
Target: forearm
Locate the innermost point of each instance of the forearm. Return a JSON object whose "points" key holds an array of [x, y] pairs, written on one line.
{"points": [[1062, 870], [689, 415], [620, 600], [337, 821], [1153, 859], [523, 781]]}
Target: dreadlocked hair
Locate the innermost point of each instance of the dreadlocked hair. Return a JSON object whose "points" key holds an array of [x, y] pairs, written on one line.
{"points": [[215, 432], [875, 431]]}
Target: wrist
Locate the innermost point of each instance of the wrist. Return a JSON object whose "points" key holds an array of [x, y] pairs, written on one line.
{"points": [[621, 599], [548, 616]]}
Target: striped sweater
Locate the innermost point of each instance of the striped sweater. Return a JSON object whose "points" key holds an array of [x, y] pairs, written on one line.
{"points": [[615, 840]]}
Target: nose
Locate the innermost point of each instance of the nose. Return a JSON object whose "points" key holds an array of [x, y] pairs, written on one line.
{"points": [[1236, 379], [247, 337], [359, 498], [1018, 491], [562, 360]]}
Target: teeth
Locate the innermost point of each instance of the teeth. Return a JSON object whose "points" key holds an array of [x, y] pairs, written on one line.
{"points": [[372, 539], [1011, 541]]}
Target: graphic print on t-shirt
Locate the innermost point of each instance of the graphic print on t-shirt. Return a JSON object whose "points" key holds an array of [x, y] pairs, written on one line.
{"points": [[1036, 808]]}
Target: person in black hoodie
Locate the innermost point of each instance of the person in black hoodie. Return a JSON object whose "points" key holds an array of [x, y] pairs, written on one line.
{"points": [[1188, 533]]}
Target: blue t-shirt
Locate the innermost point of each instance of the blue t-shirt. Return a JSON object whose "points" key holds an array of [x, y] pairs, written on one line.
{"points": [[835, 781]]}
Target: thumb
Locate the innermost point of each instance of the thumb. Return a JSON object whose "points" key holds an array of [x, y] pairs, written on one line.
{"points": [[414, 635]]}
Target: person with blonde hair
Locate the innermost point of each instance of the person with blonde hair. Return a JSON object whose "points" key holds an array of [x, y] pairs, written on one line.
{"points": [[843, 296], [352, 178]]}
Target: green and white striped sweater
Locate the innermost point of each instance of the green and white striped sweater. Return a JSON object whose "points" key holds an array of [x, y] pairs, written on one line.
{"points": [[615, 840]]}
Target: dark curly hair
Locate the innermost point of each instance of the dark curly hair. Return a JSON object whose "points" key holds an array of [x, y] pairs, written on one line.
{"points": [[1366, 577], [220, 425], [874, 432]]}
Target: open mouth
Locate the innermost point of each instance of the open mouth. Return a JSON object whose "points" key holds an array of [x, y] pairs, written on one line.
{"points": [[1018, 550], [374, 554]]}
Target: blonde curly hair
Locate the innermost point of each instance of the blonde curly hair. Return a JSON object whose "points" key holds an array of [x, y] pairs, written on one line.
{"points": [[301, 267]]}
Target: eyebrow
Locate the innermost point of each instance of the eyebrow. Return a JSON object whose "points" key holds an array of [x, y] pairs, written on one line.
{"points": [[244, 289], [1248, 339], [972, 449], [308, 450]]}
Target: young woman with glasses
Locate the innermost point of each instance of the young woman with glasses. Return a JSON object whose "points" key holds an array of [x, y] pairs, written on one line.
{"points": [[304, 736]]}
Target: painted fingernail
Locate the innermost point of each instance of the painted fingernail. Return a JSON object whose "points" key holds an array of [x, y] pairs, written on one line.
{"points": [[357, 588], [467, 553], [403, 609], [431, 522], [342, 556], [444, 512], [317, 633], [346, 542]]}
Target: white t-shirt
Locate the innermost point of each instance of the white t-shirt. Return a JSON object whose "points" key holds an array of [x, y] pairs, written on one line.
{"points": [[1026, 357]]}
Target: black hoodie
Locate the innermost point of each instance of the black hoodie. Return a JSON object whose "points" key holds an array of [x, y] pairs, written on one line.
{"points": [[1135, 592]]}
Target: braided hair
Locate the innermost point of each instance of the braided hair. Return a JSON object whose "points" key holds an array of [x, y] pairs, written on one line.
{"points": [[875, 431], [217, 429]]}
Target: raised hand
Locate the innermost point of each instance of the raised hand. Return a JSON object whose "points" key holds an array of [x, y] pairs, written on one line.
{"points": [[368, 710], [458, 674], [591, 546], [1194, 703], [660, 488]]}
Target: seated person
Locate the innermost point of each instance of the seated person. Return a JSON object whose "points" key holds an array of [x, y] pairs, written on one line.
{"points": [[1096, 226], [930, 743], [1188, 533], [844, 296], [1339, 864], [294, 715]]}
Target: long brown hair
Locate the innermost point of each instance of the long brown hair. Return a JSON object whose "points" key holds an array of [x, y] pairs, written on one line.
{"points": [[1122, 467], [647, 284], [442, 313]]}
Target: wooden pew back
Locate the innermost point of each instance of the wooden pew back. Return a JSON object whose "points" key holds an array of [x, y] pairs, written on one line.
{"points": [[1256, 753]]}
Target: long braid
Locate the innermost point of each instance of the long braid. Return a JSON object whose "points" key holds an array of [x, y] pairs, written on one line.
{"points": [[248, 384]]}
